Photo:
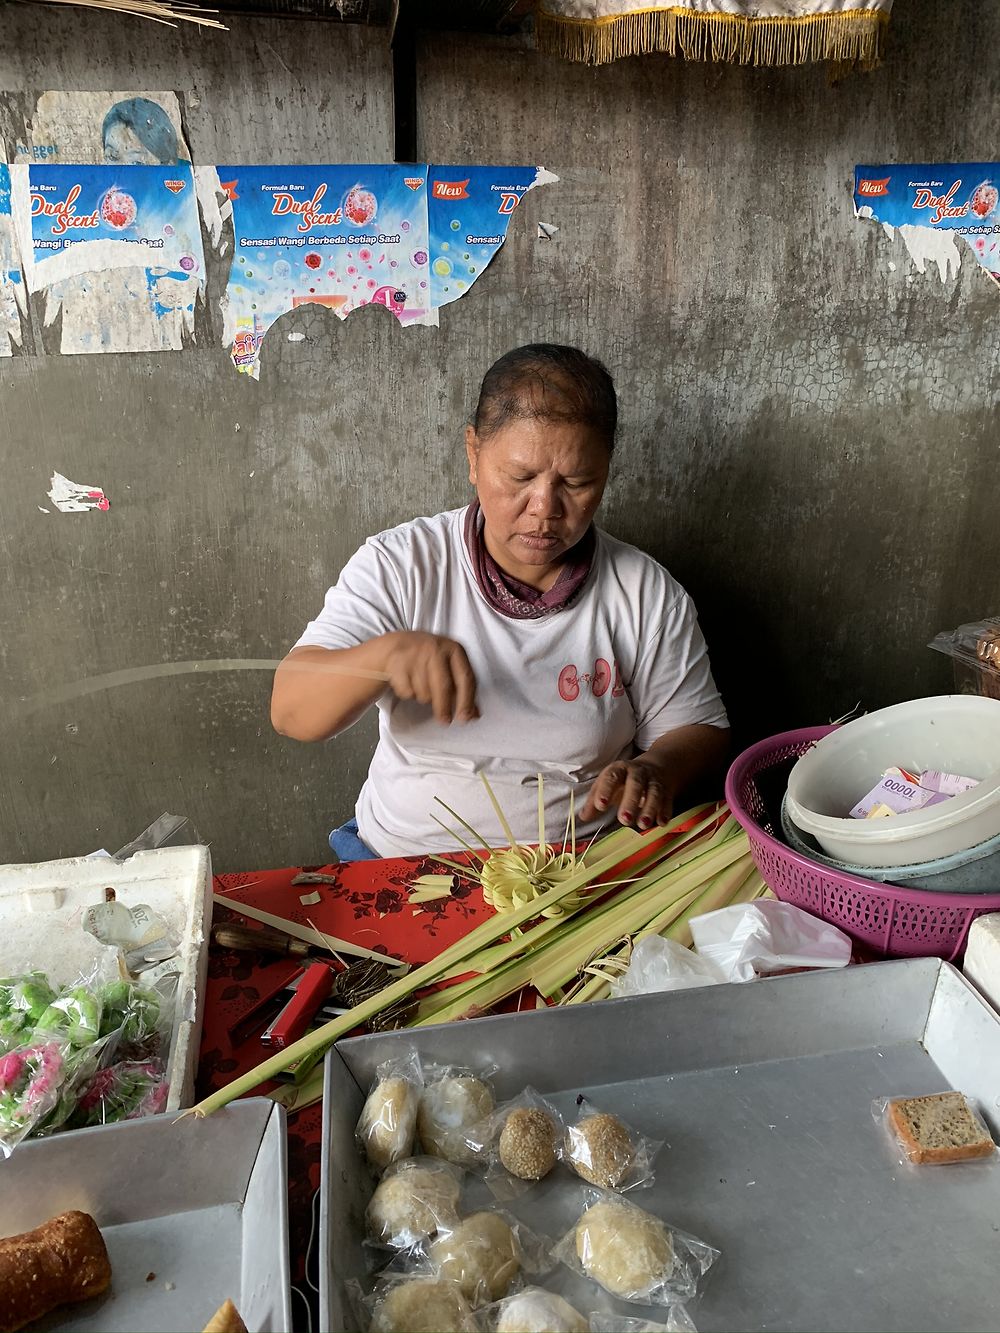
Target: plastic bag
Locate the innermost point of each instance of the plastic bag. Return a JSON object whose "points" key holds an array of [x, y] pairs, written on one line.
{"points": [[124, 1091], [387, 1128], [756, 939], [633, 1254], [534, 1308], [417, 1197], [941, 1129], [518, 1144], [661, 965], [606, 1152], [23, 1000], [402, 1302], [166, 831], [975, 653], [486, 1253], [453, 1100], [677, 1321], [30, 1081]]}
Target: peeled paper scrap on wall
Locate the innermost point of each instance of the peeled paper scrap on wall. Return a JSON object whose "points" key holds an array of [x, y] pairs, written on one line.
{"points": [[933, 206], [409, 238]]}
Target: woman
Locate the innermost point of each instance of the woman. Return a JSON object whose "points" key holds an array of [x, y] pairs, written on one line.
{"points": [[512, 638]]}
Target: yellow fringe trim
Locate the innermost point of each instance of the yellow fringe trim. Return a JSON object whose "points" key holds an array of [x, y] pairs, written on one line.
{"points": [[855, 36]]}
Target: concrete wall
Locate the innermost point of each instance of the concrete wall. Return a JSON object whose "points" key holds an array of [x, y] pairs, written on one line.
{"points": [[808, 437]]}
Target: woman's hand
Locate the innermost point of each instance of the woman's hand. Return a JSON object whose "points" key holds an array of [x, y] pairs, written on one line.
{"points": [[431, 670], [640, 788]]}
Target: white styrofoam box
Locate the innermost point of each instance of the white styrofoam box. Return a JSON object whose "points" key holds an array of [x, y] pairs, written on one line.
{"points": [[982, 957], [41, 907]]}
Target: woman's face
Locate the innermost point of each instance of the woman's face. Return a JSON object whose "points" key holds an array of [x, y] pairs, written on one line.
{"points": [[539, 484]]}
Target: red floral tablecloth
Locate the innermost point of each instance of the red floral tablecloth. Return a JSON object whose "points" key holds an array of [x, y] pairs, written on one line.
{"points": [[367, 905]]}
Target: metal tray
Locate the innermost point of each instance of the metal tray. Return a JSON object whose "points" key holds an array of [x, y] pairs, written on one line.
{"points": [[763, 1093], [200, 1205]]}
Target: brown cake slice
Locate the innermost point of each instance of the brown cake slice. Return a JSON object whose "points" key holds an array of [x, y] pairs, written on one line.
{"points": [[942, 1128]]}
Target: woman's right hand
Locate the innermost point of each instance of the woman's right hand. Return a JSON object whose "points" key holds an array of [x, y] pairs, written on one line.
{"points": [[431, 669]]}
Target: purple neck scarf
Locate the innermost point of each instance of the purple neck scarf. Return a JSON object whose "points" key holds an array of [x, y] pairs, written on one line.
{"points": [[511, 597]]}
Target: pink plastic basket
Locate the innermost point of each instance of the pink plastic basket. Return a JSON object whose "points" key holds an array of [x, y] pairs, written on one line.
{"points": [[886, 920]]}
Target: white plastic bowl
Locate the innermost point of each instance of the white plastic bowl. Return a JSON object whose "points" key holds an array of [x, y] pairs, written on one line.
{"points": [[955, 733]]}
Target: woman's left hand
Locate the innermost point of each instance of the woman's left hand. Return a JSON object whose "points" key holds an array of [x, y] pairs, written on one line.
{"points": [[639, 787]]}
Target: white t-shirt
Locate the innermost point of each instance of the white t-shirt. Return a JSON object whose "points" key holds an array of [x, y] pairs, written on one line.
{"points": [[563, 695]]}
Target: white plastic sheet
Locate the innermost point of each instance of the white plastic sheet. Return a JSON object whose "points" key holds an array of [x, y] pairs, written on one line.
{"points": [[757, 939]]}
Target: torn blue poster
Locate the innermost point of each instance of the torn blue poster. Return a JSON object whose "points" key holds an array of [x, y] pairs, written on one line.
{"points": [[934, 205], [72, 220], [348, 236], [11, 289], [341, 237], [468, 210]]}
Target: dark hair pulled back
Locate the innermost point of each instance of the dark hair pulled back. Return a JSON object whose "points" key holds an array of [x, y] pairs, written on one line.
{"points": [[547, 382]]}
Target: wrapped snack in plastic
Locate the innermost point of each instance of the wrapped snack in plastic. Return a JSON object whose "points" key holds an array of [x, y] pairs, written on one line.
{"points": [[677, 1321], [23, 1000], [486, 1253], [388, 1125], [534, 1310], [452, 1102], [936, 1130], [74, 1016], [416, 1198], [606, 1152], [518, 1144], [31, 1078], [125, 1091], [140, 1016], [634, 1255], [418, 1304]]}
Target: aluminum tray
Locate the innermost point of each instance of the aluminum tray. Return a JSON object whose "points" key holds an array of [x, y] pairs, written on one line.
{"points": [[763, 1093], [200, 1204]]}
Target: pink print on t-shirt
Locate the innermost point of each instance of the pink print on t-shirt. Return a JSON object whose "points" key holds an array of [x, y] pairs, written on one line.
{"points": [[599, 679]]}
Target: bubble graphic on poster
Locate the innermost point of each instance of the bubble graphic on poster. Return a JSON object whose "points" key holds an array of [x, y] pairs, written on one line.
{"points": [[118, 209], [282, 270], [313, 260], [360, 206], [419, 258], [188, 263], [984, 200], [441, 268]]}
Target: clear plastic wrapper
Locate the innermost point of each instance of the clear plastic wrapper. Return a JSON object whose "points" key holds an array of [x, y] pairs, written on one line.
{"points": [[386, 1131], [415, 1199], [487, 1253], [604, 1151], [519, 1144], [417, 1303], [453, 1101], [31, 1078], [633, 1254], [124, 1091], [74, 1016], [93, 1038], [657, 964], [974, 650], [677, 1320], [533, 1310], [944, 1128], [23, 1001]]}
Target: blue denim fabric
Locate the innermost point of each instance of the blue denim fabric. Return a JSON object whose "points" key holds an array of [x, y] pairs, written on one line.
{"points": [[348, 846]]}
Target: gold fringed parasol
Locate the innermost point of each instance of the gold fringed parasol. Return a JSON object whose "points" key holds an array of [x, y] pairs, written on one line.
{"points": [[766, 32]]}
